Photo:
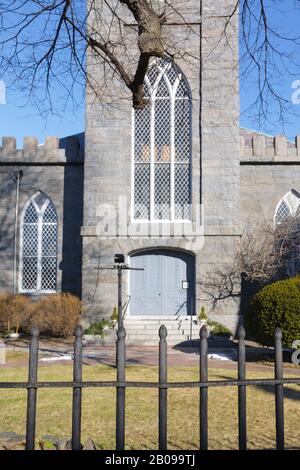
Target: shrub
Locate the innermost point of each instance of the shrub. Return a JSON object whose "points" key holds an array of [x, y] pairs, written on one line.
{"points": [[202, 314], [114, 315], [14, 312], [4, 306], [218, 328], [56, 315], [276, 305], [99, 327]]}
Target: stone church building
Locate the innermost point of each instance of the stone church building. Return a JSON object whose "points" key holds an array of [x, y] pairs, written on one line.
{"points": [[170, 186]]}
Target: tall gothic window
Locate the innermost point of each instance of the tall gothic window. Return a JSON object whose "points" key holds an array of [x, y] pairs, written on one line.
{"points": [[162, 147], [38, 247]]}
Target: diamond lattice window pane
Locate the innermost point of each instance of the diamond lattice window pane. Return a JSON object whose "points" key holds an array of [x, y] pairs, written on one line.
{"points": [[48, 278], [182, 90], [142, 191], [182, 191], [29, 277], [283, 212], [173, 73], [30, 239], [153, 73], [162, 129], [162, 89], [30, 216], [142, 134], [50, 214], [49, 240], [182, 131], [162, 191]]}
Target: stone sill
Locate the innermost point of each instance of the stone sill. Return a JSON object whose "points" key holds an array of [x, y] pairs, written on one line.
{"points": [[208, 230]]}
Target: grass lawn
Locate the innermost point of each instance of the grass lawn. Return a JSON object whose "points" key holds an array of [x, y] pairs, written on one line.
{"points": [[98, 421]]}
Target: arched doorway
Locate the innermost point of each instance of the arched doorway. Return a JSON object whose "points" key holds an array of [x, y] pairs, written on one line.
{"points": [[166, 286]]}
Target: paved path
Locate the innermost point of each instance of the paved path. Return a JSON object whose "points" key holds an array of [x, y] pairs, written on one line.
{"points": [[93, 354]]}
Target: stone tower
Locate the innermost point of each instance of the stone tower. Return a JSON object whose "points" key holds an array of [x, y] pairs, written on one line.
{"points": [[208, 60]]}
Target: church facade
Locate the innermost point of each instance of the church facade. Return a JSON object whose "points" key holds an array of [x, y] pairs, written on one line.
{"points": [[170, 186]]}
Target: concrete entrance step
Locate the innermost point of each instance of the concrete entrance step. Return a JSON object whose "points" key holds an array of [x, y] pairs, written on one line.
{"points": [[145, 329], [157, 318], [150, 328], [154, 333]]}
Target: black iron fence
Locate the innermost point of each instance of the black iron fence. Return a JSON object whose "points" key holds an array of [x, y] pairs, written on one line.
{"points": [[32, 386]]}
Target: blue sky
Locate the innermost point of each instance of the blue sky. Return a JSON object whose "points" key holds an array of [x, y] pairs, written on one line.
{"points": [[20, 119], [285, 20]]}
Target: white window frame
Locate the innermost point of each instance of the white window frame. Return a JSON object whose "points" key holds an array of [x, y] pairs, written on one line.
{"points": [[40, 214], [172, 97]]}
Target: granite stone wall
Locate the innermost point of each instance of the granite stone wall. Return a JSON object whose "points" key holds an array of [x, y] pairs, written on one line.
{"points": [[56, 169]]}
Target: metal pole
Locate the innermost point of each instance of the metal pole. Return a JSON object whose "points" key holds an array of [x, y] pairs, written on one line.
{"points": [[32, 389], [120, 390], [242, 390], [163, 392], [77, 391], [203, 390], [279, 391], [191, 319], [120, 318]]}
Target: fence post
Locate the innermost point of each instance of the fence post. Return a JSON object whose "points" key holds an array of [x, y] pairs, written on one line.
{"points": [[77, 391], [163, 412], [203, 390], [279, 391], [242, 390], [32, 389], [120, 404]]}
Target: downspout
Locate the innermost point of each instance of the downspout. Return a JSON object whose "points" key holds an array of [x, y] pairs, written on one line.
{"points": [[17, 176]]}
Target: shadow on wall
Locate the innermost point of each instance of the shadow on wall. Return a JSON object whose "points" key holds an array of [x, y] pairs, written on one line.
{"points": [[73, 214], [8, 197]]}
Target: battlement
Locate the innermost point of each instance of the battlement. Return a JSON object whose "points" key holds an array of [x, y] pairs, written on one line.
{"points": [[261, 147], [32, 152]]}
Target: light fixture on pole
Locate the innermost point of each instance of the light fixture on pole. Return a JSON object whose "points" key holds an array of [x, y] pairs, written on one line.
{"points": [[119, 265], [158, 6]]}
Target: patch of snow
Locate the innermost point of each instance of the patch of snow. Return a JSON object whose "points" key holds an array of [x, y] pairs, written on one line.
{"points": [[57, 358], [219, 357]]}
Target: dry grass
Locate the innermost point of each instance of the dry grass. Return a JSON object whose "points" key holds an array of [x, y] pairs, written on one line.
{"points": [[54, 409], [14, 356]]}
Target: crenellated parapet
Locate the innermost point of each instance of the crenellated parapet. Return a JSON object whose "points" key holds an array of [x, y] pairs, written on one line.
{"points": [[261, 147], [32, 152]]}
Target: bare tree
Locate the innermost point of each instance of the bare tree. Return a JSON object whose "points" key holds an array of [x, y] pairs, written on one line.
{"points": [[43, 46], [263, 254]]}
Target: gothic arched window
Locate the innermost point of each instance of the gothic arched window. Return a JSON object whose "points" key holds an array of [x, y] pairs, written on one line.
{"points": [[287, 207], [38, 247], [282, 212], [162, 147]]}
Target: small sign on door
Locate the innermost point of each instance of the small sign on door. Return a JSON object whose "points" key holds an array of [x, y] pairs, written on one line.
{"points": [[185, 284]]}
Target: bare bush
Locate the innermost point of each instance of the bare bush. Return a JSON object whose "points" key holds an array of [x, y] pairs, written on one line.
{"points": [[264, 254], [14, 311], [55, 315]]}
